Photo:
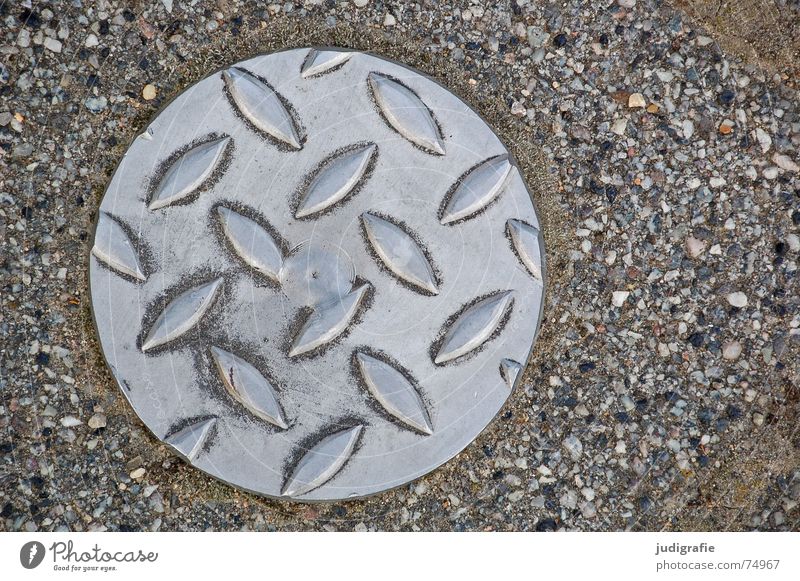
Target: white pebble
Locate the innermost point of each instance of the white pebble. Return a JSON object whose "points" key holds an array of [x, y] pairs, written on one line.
{"points": [[763, 139], [70, 422], [688, 129], [574, 446], [618, 298], [785, 162], [636, 100], [52, 44], [737, 299], [24, 38], [619, 126], [665, 76], [731, 350], [589, 510], [694, 246], [97, 421]]}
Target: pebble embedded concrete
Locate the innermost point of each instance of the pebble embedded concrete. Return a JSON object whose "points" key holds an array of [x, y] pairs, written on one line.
{"points": [[675, 410]]}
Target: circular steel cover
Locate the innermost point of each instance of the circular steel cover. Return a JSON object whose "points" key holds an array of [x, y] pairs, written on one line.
{"points": [[317, 275]]}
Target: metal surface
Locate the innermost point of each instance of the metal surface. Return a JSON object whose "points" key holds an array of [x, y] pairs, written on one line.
{"points": [[317, 275]]}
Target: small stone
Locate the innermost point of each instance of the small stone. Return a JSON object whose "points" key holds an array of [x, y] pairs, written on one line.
{"points": [[727, 96], [546, 525], [24, 38], [96, 104], [627, 403], [97, 421], [70, 422], [588, 510], [22, 150], [636, 100], [726, 127], [627, 3], [694, 246], [574, 446], [665, 76], [537, 37], [731, 350], [569, 499], [785, 162], [764, 140], [134, 463], [149, 92], [518, 109], [758, 419], [138, 473], [618, 126], [652, 108], [148, 30], [360, 3], [737, 299], [389, 20], [91, 41], [167, 5], [52, 44], [688, 129], [618, 298]]}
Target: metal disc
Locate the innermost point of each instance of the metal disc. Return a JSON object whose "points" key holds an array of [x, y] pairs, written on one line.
{"points": [[317, 275]]}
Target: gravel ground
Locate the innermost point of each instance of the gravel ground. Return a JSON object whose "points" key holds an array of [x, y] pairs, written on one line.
{"points": [[664, 390]]}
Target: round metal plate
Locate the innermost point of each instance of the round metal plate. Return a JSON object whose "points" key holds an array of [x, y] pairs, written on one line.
{"points": [[317, 275]]}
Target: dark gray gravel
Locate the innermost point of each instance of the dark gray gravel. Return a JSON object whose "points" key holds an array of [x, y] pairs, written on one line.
{"points": [[664, 391]]}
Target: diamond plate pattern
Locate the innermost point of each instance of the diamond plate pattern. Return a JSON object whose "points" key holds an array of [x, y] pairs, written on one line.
{"points": [[318, 275]]}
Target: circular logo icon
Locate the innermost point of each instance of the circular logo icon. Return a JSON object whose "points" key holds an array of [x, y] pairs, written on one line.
{"points": [[317, 274], [31, 554]]}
